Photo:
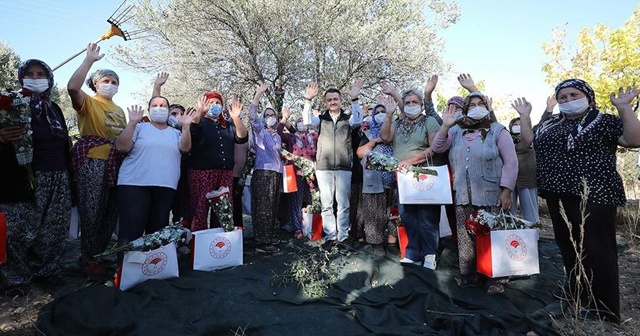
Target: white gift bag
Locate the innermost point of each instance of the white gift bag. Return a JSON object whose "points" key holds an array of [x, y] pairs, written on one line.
{"points": [[138, 266], [74, 226], [426, 189], [216, 249], [508, 252]]}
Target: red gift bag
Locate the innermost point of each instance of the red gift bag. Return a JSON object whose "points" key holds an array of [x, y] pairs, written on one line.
{"points": [[3, 238], [316, 227], [508, 252], [403, 240], [289, 183]]}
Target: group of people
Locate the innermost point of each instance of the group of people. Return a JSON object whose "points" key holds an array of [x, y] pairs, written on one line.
{"points": [[138, 173]]}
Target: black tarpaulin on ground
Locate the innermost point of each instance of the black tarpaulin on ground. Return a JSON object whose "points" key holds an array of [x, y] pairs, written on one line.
{"points": [[374, 296]]}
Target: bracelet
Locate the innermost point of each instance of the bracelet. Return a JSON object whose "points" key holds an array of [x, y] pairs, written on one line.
{"points": [[305, 98], [355, 99]]}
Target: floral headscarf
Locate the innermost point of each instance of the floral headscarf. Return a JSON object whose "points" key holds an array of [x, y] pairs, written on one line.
{"points": [[40, 103], [591, 115]]}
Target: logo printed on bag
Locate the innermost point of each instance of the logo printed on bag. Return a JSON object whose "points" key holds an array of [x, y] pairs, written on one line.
{"points": [[220, 247], [424, 182], [154, 264], [516, 247]]}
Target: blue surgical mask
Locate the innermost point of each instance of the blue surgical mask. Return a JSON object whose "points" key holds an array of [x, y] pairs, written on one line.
{"points": [[214, 111]]}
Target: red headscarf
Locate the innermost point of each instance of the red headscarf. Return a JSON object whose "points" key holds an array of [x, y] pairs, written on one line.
{"points": [[212, 95]]}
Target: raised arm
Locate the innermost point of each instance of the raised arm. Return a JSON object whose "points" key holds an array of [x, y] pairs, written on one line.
{"points": [[74, 86], [523, 107], [429, 109], [467, 82], [185, 139], [307, 114], [160, 80], [386, 131], [234, 113], [441, 141], [284, 121], [356, 110], [630, 123], [390, 90], [124, 142]]}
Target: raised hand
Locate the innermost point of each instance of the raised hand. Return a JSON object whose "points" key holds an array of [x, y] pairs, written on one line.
{"points": [[316, 112], [354, 89], [203, 106], [387, 88], [286, 113], [430, 85], [93, 53], [161, 79], [467, 82], [522, 106], [489, 102], [236, 108], [448, 116], [261, 87], [135, 113], [389, 104], [189, 116], [311, 91], [551, 103], [625, 96]]}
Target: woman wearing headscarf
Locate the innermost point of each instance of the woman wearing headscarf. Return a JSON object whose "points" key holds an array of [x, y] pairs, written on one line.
{"points": [[212, 155], [95, 159], [577, 176], [37, 215], [304, 145], [377, 187], [484, 165], [266, 180], [526, 192], [149, 174]]}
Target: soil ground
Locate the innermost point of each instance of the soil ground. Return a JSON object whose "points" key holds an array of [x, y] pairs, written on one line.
{"points": [[19, 313]]}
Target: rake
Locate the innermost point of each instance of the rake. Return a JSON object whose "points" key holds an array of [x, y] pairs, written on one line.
{"points": [[116, 20]]}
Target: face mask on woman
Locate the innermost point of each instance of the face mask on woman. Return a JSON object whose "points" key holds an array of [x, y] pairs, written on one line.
{"points": [[515, 129], [412, 112], [574, 107], [478, 113], [214, 111], [301, 127], [379, 118], [36, 85], [107, 90], [158, 114], [270, 121]]}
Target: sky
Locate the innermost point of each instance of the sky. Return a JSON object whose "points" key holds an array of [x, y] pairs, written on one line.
{"points": [[498, 41]]}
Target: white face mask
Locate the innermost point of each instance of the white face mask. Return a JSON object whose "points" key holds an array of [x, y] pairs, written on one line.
{"points": [[574, 107], [477, 113], [301, 127], [270, 121], [174, 122], [515, 129], [158, 114], [35, 85], [107, 90], [412, 112], [379, 118], [457, 114]]}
